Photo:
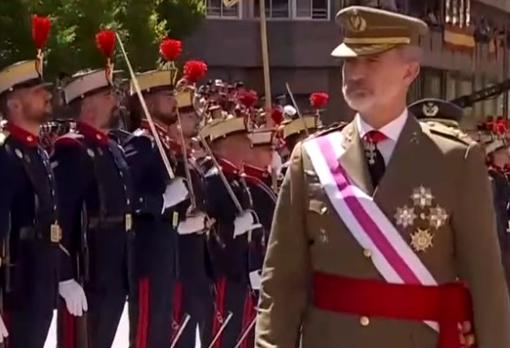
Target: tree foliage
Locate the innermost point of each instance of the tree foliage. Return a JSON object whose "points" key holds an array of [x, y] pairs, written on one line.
{"points": [[140, 23]]}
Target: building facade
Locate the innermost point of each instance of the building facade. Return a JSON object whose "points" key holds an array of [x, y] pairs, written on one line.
{"points": [[465, 51]]}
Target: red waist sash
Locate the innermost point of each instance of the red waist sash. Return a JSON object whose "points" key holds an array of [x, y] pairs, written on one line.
{"points": [[449, 304]]}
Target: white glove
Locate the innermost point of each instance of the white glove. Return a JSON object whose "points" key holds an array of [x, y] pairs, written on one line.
{"points": [[175, 193], [74, 296], [244, 223], [256, 279], [192, 224], [3, 330]]}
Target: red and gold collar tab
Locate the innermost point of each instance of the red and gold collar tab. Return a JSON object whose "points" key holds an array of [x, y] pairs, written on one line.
{"points": [[257, 172], [22, 135], [228, 167], [92, 133]]}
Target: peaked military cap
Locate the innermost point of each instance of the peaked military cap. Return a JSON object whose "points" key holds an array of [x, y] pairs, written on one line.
{"points": [[437, 110], [369, 31], [23, 74], [86, 83]]}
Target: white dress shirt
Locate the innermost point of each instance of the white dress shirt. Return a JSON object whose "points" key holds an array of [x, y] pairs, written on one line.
{"points": [[391, 130]]}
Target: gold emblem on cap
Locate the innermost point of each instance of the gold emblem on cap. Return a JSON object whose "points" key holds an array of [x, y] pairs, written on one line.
{"points": [[430, 109], [421, 240], [357, 23]]}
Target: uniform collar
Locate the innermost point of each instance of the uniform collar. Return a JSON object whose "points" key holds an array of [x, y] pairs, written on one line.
{"points": [[257, 172], [92, 133], [392, 130], [228, 167], [22, 135], [169, 143]]}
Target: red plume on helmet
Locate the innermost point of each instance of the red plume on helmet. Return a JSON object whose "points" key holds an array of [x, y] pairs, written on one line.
{"points": [[170, 49], [277, 115], [248, 98], [194, 70], [40, 30], [319, 100], [500, 126], [105, 42], [40, 33]]}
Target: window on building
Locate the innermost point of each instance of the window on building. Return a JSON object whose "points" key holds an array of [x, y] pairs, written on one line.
{"points": [[294, 9], [274, 8], [311, 9], [217, 9], [432, 84]]}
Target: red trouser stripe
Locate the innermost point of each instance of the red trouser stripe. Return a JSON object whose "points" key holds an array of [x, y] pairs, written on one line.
{"points": [[248, 315], [219, 311], [143, 313], [448, 304], [68, 329], [177, 307]]}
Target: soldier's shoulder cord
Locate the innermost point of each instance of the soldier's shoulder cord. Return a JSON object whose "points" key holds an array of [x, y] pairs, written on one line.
{"points": [[452, 133], [334, 127]]}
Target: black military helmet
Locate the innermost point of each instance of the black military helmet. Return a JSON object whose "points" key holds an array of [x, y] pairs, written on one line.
{"points": [[436, 109]]}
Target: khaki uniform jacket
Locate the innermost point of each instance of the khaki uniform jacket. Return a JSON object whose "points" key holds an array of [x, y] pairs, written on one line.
{"points": [[308, 236]]}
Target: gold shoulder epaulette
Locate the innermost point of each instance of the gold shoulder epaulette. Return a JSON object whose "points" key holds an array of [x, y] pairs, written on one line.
{"points": [[337, 126], [449, 132], [4, 134]]}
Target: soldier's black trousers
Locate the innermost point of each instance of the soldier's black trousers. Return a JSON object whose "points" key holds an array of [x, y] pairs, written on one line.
{"points": [[193, 297], [29, 307], [28, 330], [150, 311], [102, 320], [233, 296]]}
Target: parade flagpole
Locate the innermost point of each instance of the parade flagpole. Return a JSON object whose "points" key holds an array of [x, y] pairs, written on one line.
{"points": [[265, 54]]}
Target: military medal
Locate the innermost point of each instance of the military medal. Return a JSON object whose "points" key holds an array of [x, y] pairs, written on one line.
{"points": [[422, 197], [370, 152], [437, 217], [405, 216], [55, 233], [421, 240], [129, 222]]}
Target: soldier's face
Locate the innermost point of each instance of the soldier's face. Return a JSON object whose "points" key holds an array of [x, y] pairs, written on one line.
{"points": [[33, 103], [372, 82], [189, 124], [104, 104], [164, 106]]}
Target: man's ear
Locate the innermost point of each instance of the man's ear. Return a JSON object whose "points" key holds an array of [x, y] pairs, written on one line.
{"points": [[13, 103], [412, 73]]}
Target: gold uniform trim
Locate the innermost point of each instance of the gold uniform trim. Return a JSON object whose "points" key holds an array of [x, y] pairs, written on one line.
{"points": [[377, 40], [55, 233], [296, 126]]}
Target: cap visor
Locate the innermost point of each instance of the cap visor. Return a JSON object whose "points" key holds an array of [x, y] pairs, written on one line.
{"points": [[350, 51]]}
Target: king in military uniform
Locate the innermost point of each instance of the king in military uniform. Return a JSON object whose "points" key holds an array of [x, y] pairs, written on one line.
{"points": [[384, 232]]}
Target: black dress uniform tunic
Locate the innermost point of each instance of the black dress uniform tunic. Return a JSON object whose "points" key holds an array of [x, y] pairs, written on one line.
{"points": [[30, 237], [95, 195], [154, 258], [230, 256], [194, 292], [501, 196]]}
